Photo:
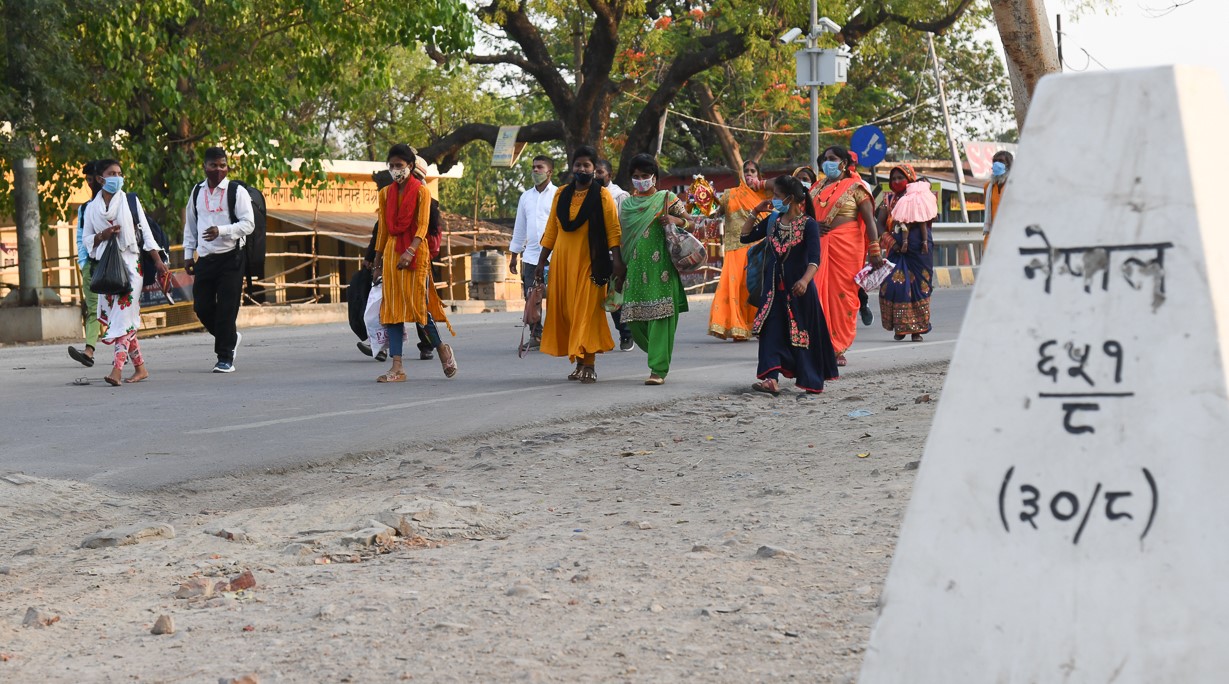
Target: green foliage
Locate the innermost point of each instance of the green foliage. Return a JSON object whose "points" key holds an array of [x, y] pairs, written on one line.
{"points": [[170, 77]]}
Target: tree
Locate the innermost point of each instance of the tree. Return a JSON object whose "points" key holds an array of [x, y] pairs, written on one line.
{"points": [[1024, 28], [544, 41], [37, 102], [256, 76]]}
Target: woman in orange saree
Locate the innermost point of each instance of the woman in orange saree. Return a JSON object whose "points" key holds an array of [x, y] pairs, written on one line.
{"points": [[845, 212], [731, 315]]}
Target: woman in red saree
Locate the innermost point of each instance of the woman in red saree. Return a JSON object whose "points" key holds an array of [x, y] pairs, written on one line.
{"points": [[845, 212]]}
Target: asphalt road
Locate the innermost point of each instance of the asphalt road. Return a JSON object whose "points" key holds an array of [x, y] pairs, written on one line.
{"points": [[306, 395]]}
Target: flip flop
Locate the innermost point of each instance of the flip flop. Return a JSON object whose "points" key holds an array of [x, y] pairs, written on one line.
{"points": [[764, 387], [80, 357], [80, 382]]}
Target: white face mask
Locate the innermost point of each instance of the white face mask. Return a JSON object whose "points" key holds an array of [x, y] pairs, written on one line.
{"points": [[644, 184]]}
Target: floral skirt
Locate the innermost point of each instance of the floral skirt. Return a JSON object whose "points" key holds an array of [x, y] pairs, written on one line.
{"points": [[904, 297]]}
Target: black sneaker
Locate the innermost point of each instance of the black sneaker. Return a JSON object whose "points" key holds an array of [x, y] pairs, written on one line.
{"points": [[867, 316], [625, 344]]}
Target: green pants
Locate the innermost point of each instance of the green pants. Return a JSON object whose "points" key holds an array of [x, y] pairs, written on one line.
{"points": [[656, 338], [90, 313]]}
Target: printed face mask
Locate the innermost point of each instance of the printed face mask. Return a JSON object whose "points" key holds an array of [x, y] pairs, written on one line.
{"points": [[832, 169], [644, 184], [998, 169], [113, 184], [399, 175]]}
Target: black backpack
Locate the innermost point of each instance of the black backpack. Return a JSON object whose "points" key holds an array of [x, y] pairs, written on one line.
{"points": [[254, 244], [148, 274]]}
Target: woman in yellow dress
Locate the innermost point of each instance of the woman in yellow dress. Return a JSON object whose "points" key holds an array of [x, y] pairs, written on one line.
{"points": [[581, 243], [731, 315], [409, 294]]}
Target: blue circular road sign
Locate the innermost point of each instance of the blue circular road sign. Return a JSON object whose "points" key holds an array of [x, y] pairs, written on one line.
{"points": [[870, 144]]}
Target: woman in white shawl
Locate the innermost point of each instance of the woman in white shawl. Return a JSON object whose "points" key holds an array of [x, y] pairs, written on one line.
{"points": [[108, 215]]}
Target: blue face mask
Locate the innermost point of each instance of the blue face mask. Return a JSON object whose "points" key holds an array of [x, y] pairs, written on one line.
{"points": [[779, 205], [998, 169], [832, 169], [113, 184]]}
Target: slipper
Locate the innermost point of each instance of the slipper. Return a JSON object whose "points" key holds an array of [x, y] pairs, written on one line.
{"points": [[391, 377], [898, 337], [916, 338], [840, 360], [588, 375], [80, 357], [765, 388], [655, 380], [81, 381]]}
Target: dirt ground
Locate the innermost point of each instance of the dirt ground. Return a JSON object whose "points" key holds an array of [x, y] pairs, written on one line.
{"points": [[736, 538]]}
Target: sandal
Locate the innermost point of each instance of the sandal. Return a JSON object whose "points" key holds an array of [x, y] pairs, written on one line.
{"points": [[916, 338], [767, 387], [575, 375], [81, 357], [450, 366], [588, 375], [655, 379], [398, 376], [840, 360], [898, 337]]}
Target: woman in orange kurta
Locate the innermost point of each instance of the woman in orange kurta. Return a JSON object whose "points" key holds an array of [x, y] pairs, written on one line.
{"points": [[409, 295], [731, 315], [582, 244], [845, 211]]}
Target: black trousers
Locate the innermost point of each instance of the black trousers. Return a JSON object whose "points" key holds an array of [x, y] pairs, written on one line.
{"points": [[216, 290]]}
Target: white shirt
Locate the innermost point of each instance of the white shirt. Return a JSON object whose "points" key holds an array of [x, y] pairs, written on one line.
{"points": [[211, 211], [94, 222], [532, 214], [619, 194]]}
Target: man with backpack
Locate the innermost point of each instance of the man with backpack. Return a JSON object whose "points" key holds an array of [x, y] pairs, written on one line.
{"points": [[217, 221], [85, 356]]}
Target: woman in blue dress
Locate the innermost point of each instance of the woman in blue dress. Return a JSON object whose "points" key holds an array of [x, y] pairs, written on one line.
{"points": [[794, 338]]}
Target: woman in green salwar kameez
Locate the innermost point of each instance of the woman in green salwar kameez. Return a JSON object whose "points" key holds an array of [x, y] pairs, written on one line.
{"points": [[653, 295]]}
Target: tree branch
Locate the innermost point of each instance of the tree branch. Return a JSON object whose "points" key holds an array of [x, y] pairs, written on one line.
{"points": [[445, 151], [537, 60], [871, 18]]}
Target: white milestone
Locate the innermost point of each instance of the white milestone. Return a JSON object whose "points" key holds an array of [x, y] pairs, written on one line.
{"points": [[1068, 520]]}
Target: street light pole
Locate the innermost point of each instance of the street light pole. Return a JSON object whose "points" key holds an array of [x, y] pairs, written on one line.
{"points": [[812, 34], [947, 124]]}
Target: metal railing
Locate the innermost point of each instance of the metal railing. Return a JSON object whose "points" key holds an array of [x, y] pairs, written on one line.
{"points": [[957, 244]]}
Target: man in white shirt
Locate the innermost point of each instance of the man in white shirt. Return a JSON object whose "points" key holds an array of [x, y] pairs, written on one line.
{"points": [[603, 175], [532, 213], [213, 240]]}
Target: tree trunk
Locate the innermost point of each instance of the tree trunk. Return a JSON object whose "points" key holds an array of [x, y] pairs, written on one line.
{"points": [[25, 208], [1024, 29], [729, 144]]}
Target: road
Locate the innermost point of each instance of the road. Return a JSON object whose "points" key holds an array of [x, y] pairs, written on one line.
{"points": [[305, 395]]}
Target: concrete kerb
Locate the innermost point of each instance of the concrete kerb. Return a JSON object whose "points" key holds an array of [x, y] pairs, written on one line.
{"points": [[955, 276]]}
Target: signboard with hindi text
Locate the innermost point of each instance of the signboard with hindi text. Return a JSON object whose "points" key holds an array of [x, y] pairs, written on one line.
{"points": [[506, 148], [1066, 521]]}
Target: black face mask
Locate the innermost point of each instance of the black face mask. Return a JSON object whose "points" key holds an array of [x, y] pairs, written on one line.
{"points": [[583, 178], [214, 177], [604, 182]]}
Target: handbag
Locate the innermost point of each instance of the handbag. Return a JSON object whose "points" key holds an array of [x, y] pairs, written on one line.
{"points": [[686, 252], [110, 276], [532, 315], [757, 263]]}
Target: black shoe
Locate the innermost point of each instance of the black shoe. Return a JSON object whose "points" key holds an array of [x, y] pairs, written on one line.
{"points": [[365, 347], [625, 344], [425, 354], [867, 316], [81, 357], [382, 355]]}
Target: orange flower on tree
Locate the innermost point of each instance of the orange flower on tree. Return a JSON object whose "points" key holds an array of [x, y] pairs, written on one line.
{"points": [[662, 22]]}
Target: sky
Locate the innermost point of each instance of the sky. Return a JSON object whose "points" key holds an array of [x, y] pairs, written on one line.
{"points": [[1139, 33]]}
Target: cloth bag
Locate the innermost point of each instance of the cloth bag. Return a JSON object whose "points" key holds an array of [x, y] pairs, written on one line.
{"points": [[686, 252], [757, 262], [110, 276]]}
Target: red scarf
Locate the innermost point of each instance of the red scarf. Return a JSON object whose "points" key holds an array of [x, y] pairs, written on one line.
{"points": [[400, 212]]}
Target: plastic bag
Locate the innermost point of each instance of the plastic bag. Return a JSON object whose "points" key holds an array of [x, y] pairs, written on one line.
{"points": [[614, 301], [110, 276], [376, 335], [869, 279]]}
